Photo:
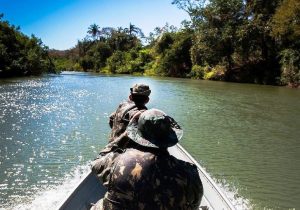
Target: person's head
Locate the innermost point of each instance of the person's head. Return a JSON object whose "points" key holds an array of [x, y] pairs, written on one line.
{"points": [[154, 129], [139, 94]]}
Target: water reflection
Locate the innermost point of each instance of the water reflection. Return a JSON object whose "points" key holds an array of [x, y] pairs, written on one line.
{"points": [[246, 136]]}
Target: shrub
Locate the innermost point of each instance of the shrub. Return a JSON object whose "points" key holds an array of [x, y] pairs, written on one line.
{"points": [[197, 72], [290, 67], [216, 73]]}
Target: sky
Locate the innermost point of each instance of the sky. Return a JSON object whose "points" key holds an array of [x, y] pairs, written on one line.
{"points": [[61, 23]]}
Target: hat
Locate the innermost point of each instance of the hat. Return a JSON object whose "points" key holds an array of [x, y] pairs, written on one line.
{"points": [[155, 129], [140, 89]]}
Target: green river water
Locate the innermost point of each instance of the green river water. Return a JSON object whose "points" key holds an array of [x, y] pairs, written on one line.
{"points": [[246, 136]]}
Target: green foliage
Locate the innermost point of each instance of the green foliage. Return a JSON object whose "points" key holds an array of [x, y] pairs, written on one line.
{"points": [[22, 55], [86, 62], [63, 64], [208, 73], [219, 21], [216, 73], [100, 52], [66, 60], [164, 42], [198, 72], [286, 21], [110, 49], [286, 30], [139, 61], [174, 51], [131, 62], [93, 30], [290, 61], [117, 62], [233, 40], [236, 35]]}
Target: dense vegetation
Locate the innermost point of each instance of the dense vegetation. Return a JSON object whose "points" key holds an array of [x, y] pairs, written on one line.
{"points": [[21, 55], [248, 41], [255, 41], [232, 40]]}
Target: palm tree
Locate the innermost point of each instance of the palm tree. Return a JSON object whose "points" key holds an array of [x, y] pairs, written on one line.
{"points": [[133, 30], [94, 30], [120, 29]]}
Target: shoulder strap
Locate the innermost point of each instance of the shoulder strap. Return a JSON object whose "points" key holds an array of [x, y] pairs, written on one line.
{"points": [[130, 107]]}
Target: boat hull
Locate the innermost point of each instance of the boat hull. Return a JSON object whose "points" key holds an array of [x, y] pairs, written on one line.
{"points": [[90, 190]]}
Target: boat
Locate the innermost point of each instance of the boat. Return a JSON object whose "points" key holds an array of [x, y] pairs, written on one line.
{"points": [[90, 190]]}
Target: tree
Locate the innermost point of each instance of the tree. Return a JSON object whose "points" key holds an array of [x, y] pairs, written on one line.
{"points": [[21, 55], [134, 31], [174, 54], [105, 33], [164, 42], [101, 51], [286, 30], [215, 28], [286, 21], [94, 30], [290, 67]]}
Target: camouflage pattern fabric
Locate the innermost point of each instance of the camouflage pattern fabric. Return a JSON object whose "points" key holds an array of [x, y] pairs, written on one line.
{"points": [[147, 180], [154, 128], [119, 119], [140, 89]]}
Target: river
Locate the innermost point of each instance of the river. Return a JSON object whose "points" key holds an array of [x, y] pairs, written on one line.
{"points": [[246, 136]]}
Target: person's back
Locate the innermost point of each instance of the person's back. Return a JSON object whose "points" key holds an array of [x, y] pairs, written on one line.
{"points": [[122, 116], [141, 174], [118, 120], [152, 180]]}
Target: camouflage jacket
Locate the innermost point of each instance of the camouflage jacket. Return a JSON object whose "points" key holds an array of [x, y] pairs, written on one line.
{"points": [[119, 119], [147, 180]]}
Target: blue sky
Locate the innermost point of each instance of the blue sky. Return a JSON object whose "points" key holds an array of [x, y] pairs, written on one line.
{"points": [[60, 23]]}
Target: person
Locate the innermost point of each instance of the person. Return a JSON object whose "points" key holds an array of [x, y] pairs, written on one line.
{"points": [[138, 98], [140, 174]]}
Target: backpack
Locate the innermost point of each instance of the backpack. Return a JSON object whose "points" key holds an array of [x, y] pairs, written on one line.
{"points": [[121, 118]]}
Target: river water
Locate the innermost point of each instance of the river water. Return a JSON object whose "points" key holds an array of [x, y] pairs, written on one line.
{"points": [[245, 136]]}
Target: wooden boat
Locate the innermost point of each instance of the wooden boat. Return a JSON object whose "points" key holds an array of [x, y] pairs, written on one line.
{"points": [[90, 189]]}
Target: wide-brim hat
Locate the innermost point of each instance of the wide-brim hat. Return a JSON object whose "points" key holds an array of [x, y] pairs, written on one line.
{"points": [[140, 89], [155, 129]]}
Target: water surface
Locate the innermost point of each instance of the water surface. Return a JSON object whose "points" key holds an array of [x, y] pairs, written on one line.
{"points": [[246, 136]]}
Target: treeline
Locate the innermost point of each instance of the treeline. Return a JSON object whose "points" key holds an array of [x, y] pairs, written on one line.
{"points": [[21, 55], [251, 41], [254, 41], [123, 51], [246, 41]]}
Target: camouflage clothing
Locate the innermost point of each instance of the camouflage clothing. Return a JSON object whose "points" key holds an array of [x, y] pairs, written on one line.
{"points": [[119, 119], [156, 129], [147, 179], [140, 89], [140, 174]]}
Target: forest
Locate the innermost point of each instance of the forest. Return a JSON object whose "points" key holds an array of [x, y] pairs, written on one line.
{"points": [[252, 41], [21, 55]]}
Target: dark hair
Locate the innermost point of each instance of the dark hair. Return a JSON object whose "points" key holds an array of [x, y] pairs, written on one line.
{"points": [[139, 99]]}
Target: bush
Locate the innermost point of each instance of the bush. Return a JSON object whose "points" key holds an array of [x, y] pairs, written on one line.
{"points": [[86, 63], [117, 62], [290, 67], [197, 72], [216, 73]]}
